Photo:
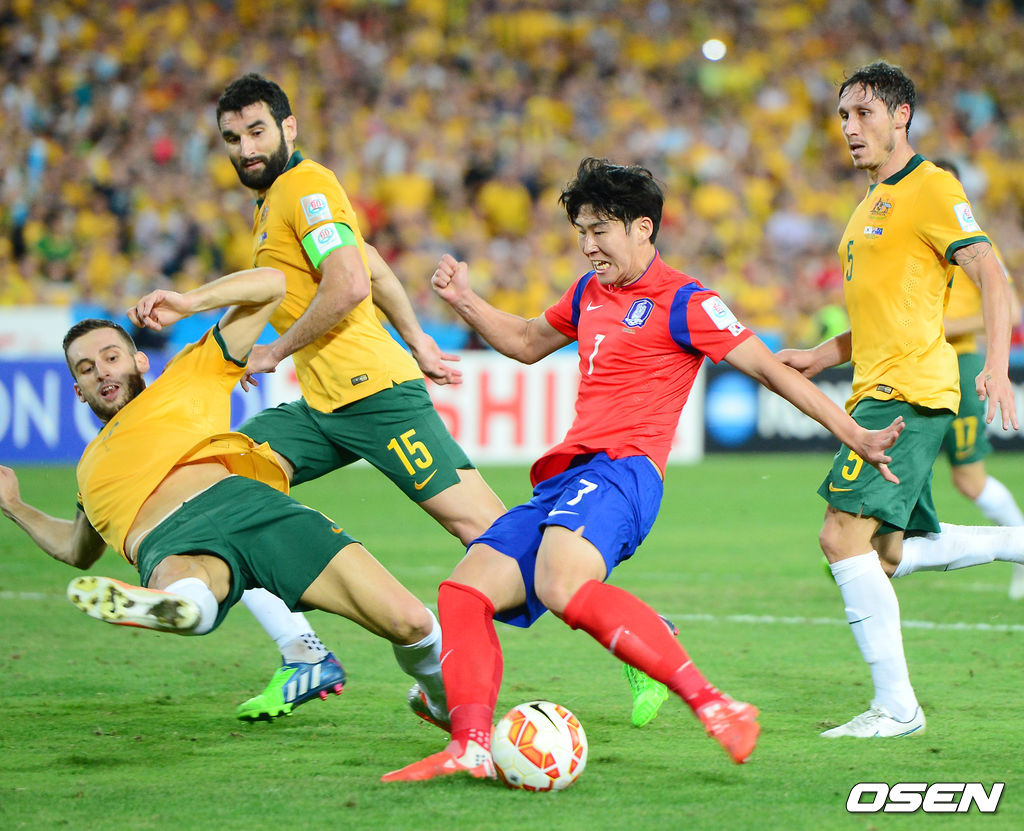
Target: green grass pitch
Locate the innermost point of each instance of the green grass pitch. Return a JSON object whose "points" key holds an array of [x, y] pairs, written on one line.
{"points": [[104, 726]]}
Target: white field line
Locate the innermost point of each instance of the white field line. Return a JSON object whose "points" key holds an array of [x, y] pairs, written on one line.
{"points": [[758, 620], [773, 620]]}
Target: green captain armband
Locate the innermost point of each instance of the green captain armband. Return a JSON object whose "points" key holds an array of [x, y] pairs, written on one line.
{"points": [[321, 241]]}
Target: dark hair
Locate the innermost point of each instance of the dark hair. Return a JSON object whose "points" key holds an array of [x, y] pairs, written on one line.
{"points": [[90, 324], [622, 192], [887, 82], [949, 165], [251, 89]]}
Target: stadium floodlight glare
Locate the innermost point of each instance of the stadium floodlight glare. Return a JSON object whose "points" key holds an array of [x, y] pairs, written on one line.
{"points": [[713, 49]]}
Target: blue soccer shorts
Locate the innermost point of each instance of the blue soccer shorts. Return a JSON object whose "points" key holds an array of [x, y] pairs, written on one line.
{"points": [[614, 500]]}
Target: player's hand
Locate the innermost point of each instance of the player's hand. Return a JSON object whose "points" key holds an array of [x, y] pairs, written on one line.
{"points": [[802, 360], [451, 279], [995, 388], [261, 359], [873, 444], [10, 493], [431, 361], [160, 308]]}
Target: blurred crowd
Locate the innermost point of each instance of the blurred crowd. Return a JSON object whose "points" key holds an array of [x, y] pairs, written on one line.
{"points": [[454, 124]]}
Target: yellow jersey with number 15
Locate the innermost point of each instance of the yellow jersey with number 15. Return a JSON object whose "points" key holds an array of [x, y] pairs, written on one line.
{"points": [[895, 253], [357, 357]]}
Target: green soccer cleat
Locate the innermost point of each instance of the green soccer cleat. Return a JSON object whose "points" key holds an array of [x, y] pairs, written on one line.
{"points": [[648, 695], [292, 685]]}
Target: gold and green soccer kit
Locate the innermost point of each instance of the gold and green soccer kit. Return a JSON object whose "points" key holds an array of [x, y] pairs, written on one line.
{"points": [[895, 254], [363, 395]]}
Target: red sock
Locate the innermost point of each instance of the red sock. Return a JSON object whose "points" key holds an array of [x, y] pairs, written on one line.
{"points": [[471, 661], [632, 631]]}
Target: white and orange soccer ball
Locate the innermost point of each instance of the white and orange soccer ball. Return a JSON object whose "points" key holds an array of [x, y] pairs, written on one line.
{"points": [[539, 746]]}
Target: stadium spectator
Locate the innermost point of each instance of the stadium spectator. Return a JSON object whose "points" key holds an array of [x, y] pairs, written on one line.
{"points": [[642, 331], [85, 96]]}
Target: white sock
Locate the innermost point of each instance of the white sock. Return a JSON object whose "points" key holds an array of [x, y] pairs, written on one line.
{"points": [[997, 503], [422, 661], [199, 593], [289, 630], [960, 546], [874, 616]]}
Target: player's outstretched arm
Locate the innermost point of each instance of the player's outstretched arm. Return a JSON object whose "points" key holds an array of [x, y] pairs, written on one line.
{"points": [[344, 284], [74, 542], [251, 296], [980, 263], [809, 362], [525, 340], [757, 361], [389, 296]]}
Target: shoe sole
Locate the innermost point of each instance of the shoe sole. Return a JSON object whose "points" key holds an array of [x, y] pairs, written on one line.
{"points": [[115, 602]]}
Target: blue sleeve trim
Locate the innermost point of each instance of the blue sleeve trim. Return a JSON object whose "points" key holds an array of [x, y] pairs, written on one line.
{"points": [[577, 295], [678, 326]]}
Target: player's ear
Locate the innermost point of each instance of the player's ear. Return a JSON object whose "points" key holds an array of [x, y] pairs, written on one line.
{"points": [[290, 129], [645, 226], [901, 118], [142, 362], [78, 392]]}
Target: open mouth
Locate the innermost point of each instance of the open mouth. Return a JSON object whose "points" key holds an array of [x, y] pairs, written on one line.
{"points": [[109, 391]]}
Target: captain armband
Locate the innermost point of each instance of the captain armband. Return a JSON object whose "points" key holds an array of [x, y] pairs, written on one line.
{"points": [[321, 241]]}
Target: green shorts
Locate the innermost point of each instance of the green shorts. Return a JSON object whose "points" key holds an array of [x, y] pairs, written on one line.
{"points": [[966, 440], [396, 430], [859, 489], [267, 539]]}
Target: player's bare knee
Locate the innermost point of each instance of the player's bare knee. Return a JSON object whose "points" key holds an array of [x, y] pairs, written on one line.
{"points": [[831, 542], [555, 594], [411, 625]]}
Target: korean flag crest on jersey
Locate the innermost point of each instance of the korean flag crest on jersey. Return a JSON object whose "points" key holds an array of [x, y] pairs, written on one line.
{"points": [[638, 313], [316, 208]]}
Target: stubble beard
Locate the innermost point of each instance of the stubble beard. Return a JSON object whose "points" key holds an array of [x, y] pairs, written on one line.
{"points": [[104, 411]]}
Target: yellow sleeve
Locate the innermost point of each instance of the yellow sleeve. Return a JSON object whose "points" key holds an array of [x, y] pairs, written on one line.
{"points": [[945, 219], [317, 198]]}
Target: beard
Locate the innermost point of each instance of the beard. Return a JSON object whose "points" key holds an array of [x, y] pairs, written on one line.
{"points": [[106, 410], [273, 165]]}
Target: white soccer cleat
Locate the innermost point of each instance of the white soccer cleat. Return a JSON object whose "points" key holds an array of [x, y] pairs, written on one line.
{"points": [[878, 723], [112, 601], [1017, 582]]}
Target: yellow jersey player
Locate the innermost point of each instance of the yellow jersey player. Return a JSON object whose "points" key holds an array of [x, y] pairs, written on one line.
{"points": [[363, 395], [966, 444], [913, 223], [208, 515]]}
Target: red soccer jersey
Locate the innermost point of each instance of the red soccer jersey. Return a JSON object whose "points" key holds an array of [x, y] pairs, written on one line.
{"points": [[640, 348]]}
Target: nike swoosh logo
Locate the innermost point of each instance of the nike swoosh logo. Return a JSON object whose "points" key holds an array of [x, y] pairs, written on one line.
{"points": [[336, 530], [591, 307], [834, 489], [421, 485], [552, 513]]}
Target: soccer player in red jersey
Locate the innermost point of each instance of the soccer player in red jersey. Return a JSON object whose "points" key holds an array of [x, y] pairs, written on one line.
{"points": [[642, 330]]}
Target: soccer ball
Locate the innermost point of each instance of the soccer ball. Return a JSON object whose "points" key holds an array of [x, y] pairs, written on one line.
{"points": [[539, 746]]}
